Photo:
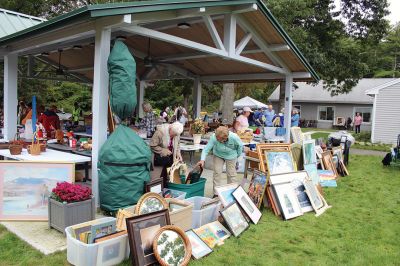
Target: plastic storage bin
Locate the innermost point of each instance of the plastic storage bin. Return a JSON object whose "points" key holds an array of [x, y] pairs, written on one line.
{"points": [[192, 190], [109, 252], [182, 217], [176, 194], [204, 216]]}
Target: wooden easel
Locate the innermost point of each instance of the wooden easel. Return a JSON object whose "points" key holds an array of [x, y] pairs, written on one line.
{"points": [[261, 148]]}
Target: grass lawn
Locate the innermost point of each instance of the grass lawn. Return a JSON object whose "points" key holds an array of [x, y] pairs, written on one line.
{"points": [[373, 147], [362, 228]]}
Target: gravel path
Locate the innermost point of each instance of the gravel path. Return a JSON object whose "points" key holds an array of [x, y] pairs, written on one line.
{"points": [[367, 152]]}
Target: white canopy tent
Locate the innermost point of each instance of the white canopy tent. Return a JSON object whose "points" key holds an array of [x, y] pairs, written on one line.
{"points": [[249, 102], [206, 41]]}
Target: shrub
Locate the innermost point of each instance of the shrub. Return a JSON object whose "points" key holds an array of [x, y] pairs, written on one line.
{"points": [[363, 136]]}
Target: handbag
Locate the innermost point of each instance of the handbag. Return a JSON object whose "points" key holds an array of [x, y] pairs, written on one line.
{"points": [[177, 170]]}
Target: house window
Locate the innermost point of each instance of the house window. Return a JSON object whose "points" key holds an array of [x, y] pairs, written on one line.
{"points": [[326, 113], [365, 112], [298, 108]]}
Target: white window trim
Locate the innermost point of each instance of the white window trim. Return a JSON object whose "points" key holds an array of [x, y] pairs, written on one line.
{"points": [[372, 114], [334, 113]]}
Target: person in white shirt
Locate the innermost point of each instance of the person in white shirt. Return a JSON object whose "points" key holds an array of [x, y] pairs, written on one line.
{"points": [[243, 119]]}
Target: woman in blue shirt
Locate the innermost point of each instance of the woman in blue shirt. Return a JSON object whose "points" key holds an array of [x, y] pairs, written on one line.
{"points": [[295, 118], [226, 147]]}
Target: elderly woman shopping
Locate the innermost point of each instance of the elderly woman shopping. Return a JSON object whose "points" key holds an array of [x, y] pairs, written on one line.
{"points": [[226, 147], [165, 146]]}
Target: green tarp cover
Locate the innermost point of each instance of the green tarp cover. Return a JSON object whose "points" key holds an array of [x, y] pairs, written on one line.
{"points": [[122, 73], [124, 167]]}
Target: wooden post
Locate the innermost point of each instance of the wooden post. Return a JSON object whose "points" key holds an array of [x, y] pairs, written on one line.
{"points": [[288, 105]]}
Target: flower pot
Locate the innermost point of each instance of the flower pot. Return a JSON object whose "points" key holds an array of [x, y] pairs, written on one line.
{"points": [[62, 215], [196, 139]]}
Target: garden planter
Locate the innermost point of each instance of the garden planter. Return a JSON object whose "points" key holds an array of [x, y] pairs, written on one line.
{"points": [[196, 139], [62, 215]]}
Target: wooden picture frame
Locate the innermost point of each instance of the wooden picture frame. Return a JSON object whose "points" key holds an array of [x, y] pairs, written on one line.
{"points": [[257, 187], [150, 202], [212, 202], [156, 186], [185, 241], [282, 156], [317, 200], [261, 148], [110, 236], [121, 219], [328, 162], [141, 232], [296, 135], [28, 185]]}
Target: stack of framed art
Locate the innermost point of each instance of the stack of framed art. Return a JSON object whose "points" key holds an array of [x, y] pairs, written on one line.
{"points": [[286, 192]]}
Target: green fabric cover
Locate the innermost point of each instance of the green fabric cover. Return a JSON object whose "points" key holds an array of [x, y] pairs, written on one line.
{"points": [[122, 73], [124, 167]]}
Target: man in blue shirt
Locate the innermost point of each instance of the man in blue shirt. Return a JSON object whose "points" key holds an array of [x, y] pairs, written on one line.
{"points": [[226, 147], [269, 115]]}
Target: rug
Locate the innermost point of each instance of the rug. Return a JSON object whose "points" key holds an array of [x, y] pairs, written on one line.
{"points": [[38, 235]]}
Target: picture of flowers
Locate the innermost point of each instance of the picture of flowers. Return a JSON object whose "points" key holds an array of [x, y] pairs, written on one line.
{"points": [[257, 187], [26, 186]]}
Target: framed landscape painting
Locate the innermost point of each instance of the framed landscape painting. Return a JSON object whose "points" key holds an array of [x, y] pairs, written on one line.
{"points": [[279, 162], [26, 186]]}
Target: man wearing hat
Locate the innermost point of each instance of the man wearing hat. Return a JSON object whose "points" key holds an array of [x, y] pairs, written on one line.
{"points": [[244, 119]]}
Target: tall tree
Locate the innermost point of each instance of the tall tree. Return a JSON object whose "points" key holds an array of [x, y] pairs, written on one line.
{"points": [[333, 39]]}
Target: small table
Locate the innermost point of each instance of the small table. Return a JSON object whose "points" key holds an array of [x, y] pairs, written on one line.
{"points": [[50, 156], [190, 148]]}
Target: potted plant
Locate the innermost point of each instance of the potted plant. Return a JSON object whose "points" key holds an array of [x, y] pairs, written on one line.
{"points": [[197, 131], [70, 204]]}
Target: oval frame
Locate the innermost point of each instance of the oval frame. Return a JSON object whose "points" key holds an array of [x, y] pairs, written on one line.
{"points": [[147, 196], [186, 242]]}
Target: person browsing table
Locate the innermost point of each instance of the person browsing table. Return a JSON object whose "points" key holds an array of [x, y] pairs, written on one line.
{"points": [[226, 147]]}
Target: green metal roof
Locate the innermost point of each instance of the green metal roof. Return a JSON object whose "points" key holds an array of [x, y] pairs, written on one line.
{"points": [[11, 22], [112, 9]]}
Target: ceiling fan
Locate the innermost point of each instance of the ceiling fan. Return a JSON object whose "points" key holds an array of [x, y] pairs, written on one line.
{"points": [[59, 70], [149, 62]]}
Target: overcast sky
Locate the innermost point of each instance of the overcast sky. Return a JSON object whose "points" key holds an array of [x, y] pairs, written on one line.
{"points": [[394, 8]]}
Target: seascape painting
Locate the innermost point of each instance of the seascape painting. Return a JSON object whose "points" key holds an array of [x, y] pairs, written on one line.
{"points": [[279, 162], [26, 186]]}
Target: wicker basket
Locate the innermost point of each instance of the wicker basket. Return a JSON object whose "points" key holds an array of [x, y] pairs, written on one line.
{"points": [[246, 136], [34, 148], [14, 147]]}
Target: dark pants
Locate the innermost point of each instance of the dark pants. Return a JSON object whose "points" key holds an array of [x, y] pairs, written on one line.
{"points": [[358, 128], [164, 162]]}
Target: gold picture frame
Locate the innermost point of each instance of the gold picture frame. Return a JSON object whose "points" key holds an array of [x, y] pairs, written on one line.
{"points": [[152, 202]]}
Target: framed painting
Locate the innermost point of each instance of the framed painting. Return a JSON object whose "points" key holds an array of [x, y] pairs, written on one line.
{"points": [[279, 162], [235, 219], [296, 134], [312, 172], [213, 234], [155, 186], [26, 186], [317, 200], [327, 160], [309, 154], [199, 247], [225, 193], [288, 201], [247, 204], [296, 181], [257, 187], [141, 232]]}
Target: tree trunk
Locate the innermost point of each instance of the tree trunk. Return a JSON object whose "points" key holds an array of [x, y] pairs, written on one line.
{"points": [[281, 103], [226, 103]]}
